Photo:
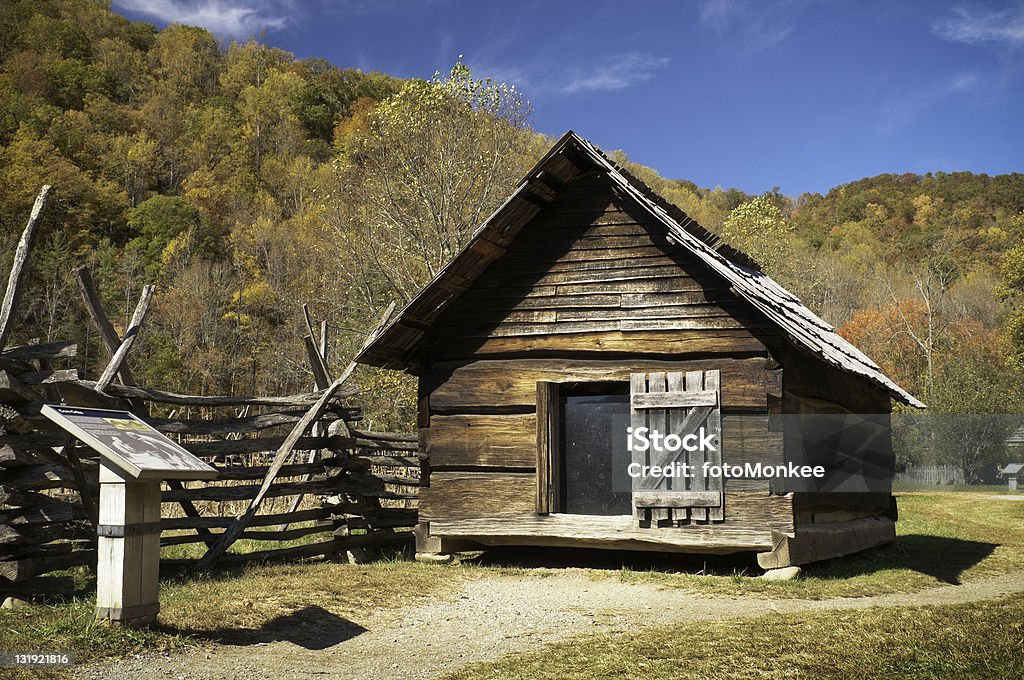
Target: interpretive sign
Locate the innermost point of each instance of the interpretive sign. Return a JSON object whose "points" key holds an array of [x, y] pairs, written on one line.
{"points": [[134, 458], [129, 443]]}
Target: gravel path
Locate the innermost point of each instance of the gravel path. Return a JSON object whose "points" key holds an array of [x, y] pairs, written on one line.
{"points": [[491, 617]]}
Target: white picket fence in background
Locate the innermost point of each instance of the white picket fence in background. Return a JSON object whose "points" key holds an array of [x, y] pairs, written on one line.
{"points": [[931, 474]]}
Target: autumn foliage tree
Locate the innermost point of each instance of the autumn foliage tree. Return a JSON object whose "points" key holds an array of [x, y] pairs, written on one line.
{"points": [[431, 163], [976, 403], [886, 334]]}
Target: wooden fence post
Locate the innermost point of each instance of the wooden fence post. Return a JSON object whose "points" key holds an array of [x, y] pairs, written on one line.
{"points": [[129, 339], [13, 291], [99, 318]]}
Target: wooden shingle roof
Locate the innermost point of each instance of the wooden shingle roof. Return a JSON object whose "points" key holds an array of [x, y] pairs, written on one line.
{"points": [[396, 344]]}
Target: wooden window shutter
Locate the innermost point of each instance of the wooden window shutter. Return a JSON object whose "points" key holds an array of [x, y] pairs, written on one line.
{"points": [[548, 441], [677, 403]]}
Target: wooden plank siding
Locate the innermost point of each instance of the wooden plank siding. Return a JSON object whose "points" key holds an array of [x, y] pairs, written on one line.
{"points": [[509, 385], [577, 279]]}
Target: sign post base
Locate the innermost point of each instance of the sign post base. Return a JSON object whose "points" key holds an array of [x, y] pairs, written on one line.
{"points": [[128, 570]]}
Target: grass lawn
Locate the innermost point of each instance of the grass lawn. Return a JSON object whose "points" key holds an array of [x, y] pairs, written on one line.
{"points": [[955, 641], [942, 538]]}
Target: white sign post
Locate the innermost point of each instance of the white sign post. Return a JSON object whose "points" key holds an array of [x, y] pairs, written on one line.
{"points": [[134, 459]]}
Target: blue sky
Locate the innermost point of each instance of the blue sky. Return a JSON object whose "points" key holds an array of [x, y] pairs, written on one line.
{"points": [[800, 94]]}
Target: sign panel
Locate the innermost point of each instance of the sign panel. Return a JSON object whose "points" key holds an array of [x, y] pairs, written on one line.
{"points": [[129, 443]]}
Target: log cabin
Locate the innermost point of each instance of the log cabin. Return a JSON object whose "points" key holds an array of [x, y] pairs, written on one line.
{"points": [[586, 303]]}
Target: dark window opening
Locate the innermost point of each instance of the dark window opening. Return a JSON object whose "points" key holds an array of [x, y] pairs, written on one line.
{"points": [[592, 415]]}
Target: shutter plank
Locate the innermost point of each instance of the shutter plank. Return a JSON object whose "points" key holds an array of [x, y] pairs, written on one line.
{"points": [[716, 513], [677, 424], [657, 419], [681, 399], [677, 499], [698, 483], [638, 419]]}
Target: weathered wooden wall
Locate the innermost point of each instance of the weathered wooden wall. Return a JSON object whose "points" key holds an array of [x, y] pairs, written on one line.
{"points": [[811, 386], [593, 273], [590, 290]]}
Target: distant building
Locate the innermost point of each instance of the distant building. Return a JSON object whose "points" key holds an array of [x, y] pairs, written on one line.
{"points": [[1011, 472]]}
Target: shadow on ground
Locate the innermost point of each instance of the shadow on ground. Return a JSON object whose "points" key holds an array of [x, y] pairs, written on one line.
{"points": [[944, 559], [310, 627], [614, 560]]}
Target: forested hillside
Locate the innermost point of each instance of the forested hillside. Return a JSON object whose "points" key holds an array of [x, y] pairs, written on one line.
{"points": [[246, 182]]}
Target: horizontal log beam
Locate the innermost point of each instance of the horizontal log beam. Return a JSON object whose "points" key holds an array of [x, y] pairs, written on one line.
{"points": [[386, 436], [49, 377], [24, 569], [310, 550], [293, 401], [226, 447], [269, 535], [230, 425], [173, 523], [63, 349], [33, 535], [247, 491], [54, 513]]}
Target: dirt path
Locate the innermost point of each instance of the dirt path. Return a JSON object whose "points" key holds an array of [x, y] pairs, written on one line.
{"points": [[494, 616]]}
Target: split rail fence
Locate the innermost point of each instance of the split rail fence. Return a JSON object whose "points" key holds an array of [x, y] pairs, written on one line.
{"points": [[297, 476]]}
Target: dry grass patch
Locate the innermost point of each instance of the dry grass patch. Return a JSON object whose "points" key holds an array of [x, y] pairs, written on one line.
{"points": [[258, 600], [245, 605], [953, 641]]}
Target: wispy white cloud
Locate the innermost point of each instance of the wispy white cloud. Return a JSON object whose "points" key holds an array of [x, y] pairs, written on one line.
{"points": [[224, 17], [754, 25], [718, 14], [981, 25], [608, 73], [615, 73], [902, 108]]}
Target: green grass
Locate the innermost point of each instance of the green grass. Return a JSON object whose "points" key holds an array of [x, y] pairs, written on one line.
{"points": [[972, 488], [953, 641], [70, 626], [193, 551], [942, 538]]}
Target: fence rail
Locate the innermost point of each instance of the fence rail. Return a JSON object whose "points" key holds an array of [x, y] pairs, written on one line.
{"points": [[359, 488]]}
